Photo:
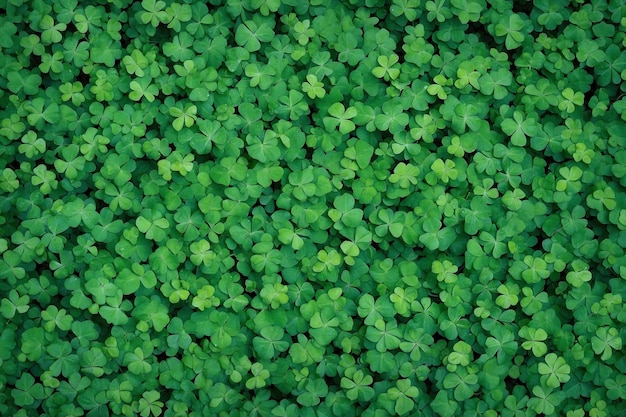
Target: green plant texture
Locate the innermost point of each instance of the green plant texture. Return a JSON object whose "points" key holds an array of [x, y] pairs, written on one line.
{"points": [[355, 208]]}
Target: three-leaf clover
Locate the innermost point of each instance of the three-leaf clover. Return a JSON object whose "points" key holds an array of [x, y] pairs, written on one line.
{"points": [[520, 127], [249, 34], [27, 390], [385, 335], [605, 341], [14, 304], [404, 395], [313, 87], [385, 68], [512, 28], [270, 342], [340, 118], [22, 81], [51, 31], [571, 99], [142, 87], [153, 224], [357, 385], [184, 116], [535, 340]]}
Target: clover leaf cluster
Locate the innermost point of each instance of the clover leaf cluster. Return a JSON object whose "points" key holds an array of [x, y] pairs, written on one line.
{"points": [[312, 208]]}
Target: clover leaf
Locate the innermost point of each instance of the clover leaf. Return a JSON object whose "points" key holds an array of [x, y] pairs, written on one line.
{"points": [[555, 370], [404, 395], [605, 340], [313, 87], [513, 30], [385, 69], [520, 128], [273, 207], [535, 340], [14, 304], [153, 225], [357, 385], [250, 34]]}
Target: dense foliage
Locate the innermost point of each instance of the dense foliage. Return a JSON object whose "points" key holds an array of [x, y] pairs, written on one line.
{"points": [[325, 208]]}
